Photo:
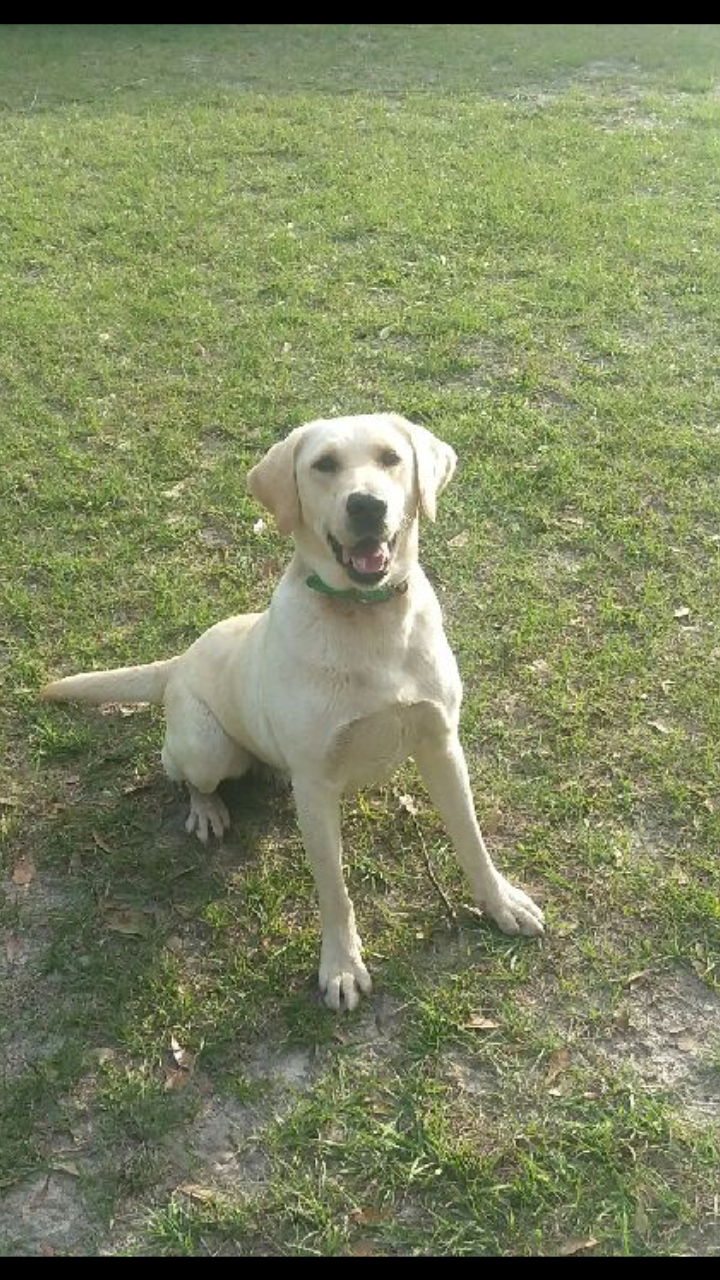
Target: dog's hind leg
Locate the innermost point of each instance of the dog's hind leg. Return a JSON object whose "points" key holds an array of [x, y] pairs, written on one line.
{"points": [[198, 752]]}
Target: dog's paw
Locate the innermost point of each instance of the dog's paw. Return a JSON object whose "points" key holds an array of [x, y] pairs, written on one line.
{"points": [[512, 910], [343, 976], [207, 813]]}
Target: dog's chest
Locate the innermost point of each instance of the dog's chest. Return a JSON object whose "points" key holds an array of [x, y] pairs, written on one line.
{"points": [[369, 749]]}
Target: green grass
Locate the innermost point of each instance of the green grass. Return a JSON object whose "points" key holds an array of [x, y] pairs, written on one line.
{"points": [[209, 234]]}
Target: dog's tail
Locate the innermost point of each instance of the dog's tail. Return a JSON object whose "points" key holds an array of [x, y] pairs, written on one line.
{"points": [[125, 684]]}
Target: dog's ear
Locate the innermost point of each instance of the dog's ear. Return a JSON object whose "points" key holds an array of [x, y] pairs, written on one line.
{"points": [[273, 482], [435, 462]]}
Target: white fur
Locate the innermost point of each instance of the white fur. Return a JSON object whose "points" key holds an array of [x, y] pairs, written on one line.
{"points": [[335, 693]]}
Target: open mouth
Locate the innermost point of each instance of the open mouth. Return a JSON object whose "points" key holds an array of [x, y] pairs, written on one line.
{"points": [[367, 561]]}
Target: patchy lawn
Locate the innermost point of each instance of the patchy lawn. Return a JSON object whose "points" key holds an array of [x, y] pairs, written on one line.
{"points": [[207, 235]]}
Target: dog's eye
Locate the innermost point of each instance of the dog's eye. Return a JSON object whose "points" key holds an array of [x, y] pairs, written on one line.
{"points": [[328, 463], [389, 458]]}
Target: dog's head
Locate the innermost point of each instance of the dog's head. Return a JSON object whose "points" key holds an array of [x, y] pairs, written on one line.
{"points": [[350, 491]]}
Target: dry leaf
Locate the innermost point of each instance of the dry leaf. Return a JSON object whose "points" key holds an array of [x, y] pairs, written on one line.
{"points": [[460, 539], [686, 1044], [124, 709], [369, 1217], [68, 1167], [478, 1023], [571, 1247], [635, 977], [659, 725], [140, 785], [259, 526], [286, 348], [103, 1056], [177, 489], [682, 613], [101, 844], [202, 1195], [183, 1057], [134, 924], [557, 1064], [24, 872], [175, 1080], [385, 333], [408, 805]]}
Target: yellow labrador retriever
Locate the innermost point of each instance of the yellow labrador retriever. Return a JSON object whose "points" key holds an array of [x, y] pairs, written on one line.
{"points": [[345, 676]]}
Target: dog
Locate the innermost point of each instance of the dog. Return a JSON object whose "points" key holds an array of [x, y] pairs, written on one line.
{"points": [[345, 676]]}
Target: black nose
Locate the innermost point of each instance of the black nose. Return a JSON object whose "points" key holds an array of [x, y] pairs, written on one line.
{"points": [[366, 511]]}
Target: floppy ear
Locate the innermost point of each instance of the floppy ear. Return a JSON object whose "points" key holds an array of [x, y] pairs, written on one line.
{"points": [[272, 482], [435, 462]]}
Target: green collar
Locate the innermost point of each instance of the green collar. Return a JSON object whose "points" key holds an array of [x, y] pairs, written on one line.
{"points": [[376, 595]]}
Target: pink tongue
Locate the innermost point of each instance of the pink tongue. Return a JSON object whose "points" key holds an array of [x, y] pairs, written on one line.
{"points": [[369, 562]]}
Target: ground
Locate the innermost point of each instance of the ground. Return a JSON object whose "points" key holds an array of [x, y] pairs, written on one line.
{"points": [[209, 234]]}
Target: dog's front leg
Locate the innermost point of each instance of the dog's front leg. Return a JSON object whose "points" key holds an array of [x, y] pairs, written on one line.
{"points": [[343, 975], [441, 761]]}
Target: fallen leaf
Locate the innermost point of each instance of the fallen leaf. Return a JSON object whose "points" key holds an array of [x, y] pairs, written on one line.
{"points": [[659, 725], [259, 526], [686, 1044], [134, 924], [202, 1195], [140, 785], [68, 1167], [369, 1217], [286, 348], [103, 1056], [175, 1080], [101, 844], [635, 977], [460, 539], [183, 1057], [478, 1023], [24, 872], [177, 489], [682, 613], [572, 1247], [385, 333], [557, 1064], [123, 709], [408, 805]]}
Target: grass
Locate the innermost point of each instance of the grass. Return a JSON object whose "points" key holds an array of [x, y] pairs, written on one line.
{"points": [[209, 234]]}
